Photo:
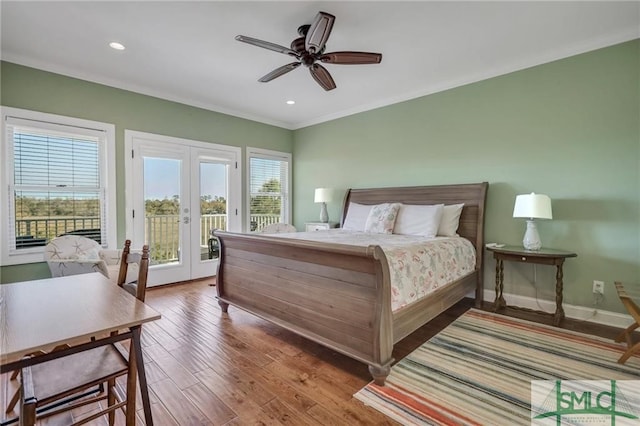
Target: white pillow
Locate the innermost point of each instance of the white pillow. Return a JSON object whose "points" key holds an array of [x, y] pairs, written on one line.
{"points": [[382, 218], [418, 220], [450, 220], [357, 215]]}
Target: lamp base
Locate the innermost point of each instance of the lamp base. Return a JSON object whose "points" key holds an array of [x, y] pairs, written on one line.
{"points": [[324, 216], [531, 239]]}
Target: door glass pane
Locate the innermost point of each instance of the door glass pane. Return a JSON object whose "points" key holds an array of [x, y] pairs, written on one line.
{"points": [[213, 206], [162, 209]]}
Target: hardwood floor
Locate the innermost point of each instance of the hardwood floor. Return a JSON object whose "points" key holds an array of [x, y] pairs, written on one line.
{"points": [[208, 368]]}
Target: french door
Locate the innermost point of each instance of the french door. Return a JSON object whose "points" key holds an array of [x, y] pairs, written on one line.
{"points": [[178, 192]]}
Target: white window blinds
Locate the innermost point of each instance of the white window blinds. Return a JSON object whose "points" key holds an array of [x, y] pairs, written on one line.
{"points": [[57, 185], [55, 161], [269, 188]]}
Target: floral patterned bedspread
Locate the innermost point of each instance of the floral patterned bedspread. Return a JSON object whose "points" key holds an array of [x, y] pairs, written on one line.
{"points": [[418, 265]]}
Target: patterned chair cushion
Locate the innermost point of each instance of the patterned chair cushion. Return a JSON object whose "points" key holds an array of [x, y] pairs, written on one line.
{"points": [[278, 228], [73, 255]]}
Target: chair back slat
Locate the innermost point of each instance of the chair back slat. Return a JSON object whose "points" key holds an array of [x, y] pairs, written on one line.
{"points": [[143, 271], [142, 260], [122, 273]]}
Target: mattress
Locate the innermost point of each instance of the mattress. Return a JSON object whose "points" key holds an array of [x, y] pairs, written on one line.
{"points": [[418, 265]]}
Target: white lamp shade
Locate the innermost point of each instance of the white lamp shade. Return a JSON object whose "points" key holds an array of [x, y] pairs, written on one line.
{"points": [[533, 206], [322, 195]]}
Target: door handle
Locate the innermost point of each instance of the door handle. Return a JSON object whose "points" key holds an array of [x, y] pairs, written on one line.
{"points": [[185, 220]]}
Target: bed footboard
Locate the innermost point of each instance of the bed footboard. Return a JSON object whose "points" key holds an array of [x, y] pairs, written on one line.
{"points": [[333, 294]]}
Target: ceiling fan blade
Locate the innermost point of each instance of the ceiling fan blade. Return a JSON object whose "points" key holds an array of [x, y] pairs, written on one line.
{"points": [[319, 32], [351, 58], [267, 45], [279, 71], [322, 77]]}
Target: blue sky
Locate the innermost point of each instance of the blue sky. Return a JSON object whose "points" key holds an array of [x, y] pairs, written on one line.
{"points": [[161, 178]]}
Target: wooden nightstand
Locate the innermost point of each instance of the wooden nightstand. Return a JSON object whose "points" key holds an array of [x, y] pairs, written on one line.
{"points": [[319, 226], [542, 257]]}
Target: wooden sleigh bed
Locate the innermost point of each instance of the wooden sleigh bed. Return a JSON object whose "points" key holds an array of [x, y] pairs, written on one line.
{"points": [[340, 295]]}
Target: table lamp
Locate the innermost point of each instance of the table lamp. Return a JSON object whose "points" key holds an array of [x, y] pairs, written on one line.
{"points": [[322, 195], [532, 206]]}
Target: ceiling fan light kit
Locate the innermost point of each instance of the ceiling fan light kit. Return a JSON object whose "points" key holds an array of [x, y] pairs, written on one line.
{"points": [[309, 49]]}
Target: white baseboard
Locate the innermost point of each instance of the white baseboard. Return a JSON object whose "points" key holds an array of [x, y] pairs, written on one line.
{"points": [[579, 313]]}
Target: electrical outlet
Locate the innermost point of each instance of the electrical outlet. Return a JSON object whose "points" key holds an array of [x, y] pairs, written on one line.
{"points": [[598, 287]]}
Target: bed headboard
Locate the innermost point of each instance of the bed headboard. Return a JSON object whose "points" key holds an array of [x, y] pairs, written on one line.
{"points": [[473, 195]]}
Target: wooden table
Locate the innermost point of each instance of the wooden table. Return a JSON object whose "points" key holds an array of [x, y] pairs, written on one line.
{"points": [[520, 254], [41, 314]]}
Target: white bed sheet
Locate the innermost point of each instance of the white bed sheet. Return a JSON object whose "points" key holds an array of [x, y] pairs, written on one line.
{"points": [[418, 265]]}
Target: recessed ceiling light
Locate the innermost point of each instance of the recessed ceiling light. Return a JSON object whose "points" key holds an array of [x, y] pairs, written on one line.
{"points": [[116, 45], [291, 102]]}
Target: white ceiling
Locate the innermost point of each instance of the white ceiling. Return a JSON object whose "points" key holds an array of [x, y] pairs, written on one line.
{"points": [[186, 52]]}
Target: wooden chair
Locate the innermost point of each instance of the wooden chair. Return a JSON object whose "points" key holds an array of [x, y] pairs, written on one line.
{"points": [[49, 388], [627, 335], [138, 287]]}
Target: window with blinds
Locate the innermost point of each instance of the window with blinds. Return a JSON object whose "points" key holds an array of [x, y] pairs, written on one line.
{"points": [[57, 186], [269, 188]]}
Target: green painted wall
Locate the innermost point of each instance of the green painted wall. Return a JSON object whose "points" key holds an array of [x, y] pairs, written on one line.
{"points": [[568, 129], [29, 88]]}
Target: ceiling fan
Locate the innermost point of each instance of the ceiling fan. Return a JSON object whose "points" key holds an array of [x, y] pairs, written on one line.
{"points": [[309, 49]]}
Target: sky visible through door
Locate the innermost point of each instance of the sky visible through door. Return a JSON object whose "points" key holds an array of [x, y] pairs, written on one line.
{"points": [[160, 182]]}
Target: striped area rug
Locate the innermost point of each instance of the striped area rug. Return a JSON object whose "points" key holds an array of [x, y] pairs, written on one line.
{"points": [[478, 371]]}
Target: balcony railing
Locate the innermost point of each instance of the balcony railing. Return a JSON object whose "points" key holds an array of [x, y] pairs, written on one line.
{"points": [[35, 232], [162, 232]]}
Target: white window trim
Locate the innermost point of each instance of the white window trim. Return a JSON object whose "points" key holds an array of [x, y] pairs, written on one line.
{"points": [[270, 155], [109, 154]]}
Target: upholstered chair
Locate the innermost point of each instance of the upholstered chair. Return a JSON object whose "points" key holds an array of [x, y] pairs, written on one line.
{"points": [[74, 254], [277, 228]]}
